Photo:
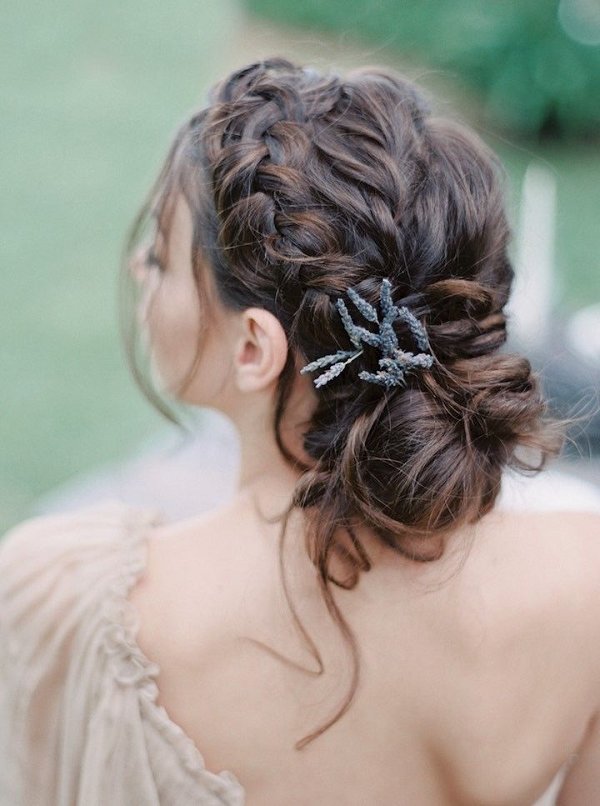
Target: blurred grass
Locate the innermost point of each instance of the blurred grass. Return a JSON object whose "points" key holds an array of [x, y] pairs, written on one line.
{"points": [[90, 98]]}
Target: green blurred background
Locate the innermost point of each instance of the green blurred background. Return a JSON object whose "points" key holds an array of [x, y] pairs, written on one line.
{"points": [[92, 93]]}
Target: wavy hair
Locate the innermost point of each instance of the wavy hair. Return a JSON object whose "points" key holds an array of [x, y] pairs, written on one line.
{"points": [[302, 185]]}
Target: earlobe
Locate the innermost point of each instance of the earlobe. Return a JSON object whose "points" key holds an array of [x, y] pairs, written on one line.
{"points": [[263, 352]]}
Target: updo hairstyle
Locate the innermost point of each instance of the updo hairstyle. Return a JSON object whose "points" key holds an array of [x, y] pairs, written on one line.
{"points": [[302, 185]]}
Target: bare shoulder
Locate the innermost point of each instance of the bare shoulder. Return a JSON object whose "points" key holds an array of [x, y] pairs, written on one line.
{"points": [[197, 583], [565, 541], [545, 564]]}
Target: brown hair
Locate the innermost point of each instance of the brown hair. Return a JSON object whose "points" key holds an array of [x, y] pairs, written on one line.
{"points": [[302, 185]]}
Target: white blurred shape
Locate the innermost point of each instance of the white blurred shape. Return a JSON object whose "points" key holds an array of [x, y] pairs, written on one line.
{"points": [[583, 332], [551, 490], [530, 307], [580, 19]]}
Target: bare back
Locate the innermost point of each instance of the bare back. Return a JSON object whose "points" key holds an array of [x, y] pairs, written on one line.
{"points": [[477, 680]]}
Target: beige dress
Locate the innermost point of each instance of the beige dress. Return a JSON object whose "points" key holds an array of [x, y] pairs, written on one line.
{"points": [[79, 722], [79, 719]]}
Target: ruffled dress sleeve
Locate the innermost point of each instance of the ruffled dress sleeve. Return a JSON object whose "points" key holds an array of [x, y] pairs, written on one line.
{"points": [[79, 721]]}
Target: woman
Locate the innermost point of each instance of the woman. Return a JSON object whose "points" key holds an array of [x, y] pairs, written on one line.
{"points": [[359, 624]]}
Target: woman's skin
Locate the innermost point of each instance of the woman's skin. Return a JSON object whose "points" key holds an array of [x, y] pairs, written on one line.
{"points": [[480, 673], [244, 355]]}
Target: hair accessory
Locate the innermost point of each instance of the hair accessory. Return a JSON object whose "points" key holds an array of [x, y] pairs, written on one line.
{"points": [[395, 362]]}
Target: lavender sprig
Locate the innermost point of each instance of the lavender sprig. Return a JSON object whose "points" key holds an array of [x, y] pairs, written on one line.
{"points": [[395, 362]]}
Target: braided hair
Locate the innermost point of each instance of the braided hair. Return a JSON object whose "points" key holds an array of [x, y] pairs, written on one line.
{"points": [[303, 185]]}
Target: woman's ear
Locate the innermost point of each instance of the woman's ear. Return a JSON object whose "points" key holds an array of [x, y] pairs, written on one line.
{"points": [[260, 350]]}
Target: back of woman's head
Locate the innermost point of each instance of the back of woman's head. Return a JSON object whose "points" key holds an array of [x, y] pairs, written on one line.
{"points": [[303, 186]]}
